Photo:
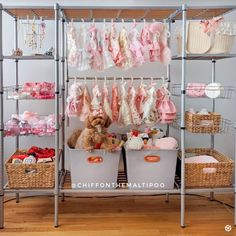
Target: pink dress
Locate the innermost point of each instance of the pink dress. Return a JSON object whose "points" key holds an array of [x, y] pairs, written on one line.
{"points": [[136, 119], [96, 104], [115, 102], [86, 106], [106, 54], [106, 101], [146, 42], [124, 113], [136, 48], [74, 100], [73, 52], [83, 39], [155, 28], [140, 97], [94, 49], [149, 107], [125, 51], [114, 47], [165, 54]]}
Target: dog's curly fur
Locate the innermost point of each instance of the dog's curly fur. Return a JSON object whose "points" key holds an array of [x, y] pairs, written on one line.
{"points": [[89, 137]]}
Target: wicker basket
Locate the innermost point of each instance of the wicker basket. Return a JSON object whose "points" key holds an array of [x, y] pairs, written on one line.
{"points": [[196, 177], [200, 43], [198, 123], [38, 175]]}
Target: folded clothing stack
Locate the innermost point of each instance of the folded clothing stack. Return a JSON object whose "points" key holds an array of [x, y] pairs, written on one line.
{"points": [[34, 155], [34, 90], [30, 123]]}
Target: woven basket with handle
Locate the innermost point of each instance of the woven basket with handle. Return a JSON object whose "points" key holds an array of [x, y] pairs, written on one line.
{"points": [[37, 175], [195, 175], [198, 123]]}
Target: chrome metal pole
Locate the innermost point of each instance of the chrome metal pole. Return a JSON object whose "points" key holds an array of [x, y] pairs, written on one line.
{"points": [[63, 95], [17, 88], [213, 79], [183, 91], [235, 175], [168, 74], [67, 76], [56, 58], [1, 129]]}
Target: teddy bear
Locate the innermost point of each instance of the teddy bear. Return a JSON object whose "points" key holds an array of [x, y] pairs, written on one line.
{"points": [[94, 133]]}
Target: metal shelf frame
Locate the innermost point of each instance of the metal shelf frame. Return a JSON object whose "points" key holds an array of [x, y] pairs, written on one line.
{"points": [[60, 15]]}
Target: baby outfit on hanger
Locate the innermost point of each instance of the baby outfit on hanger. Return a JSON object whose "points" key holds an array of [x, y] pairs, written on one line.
{"points": [[165, 53], [95, 104], [146, 42], [150, 114], [106, 101], [155, 29], [86, 106], [136, 119], [140, 98], [73, 53], [94, 49], [124, 112], [74, 100], [114, 47], [166, 108], [124, 46], [83, 40], [106, 55], [115, 102], [136, 48]]}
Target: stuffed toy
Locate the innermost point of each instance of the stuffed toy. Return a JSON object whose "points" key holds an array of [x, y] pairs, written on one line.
{"points": [[135, 141], [94, 133], [112, 143]]}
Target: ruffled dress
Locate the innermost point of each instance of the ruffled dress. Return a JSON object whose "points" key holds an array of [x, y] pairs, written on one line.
{"points": [[136, 119], [106, 101], [124, 112], [107, 59], [125, 51], [86, 105], [115, 103], [83, 39], [94, 49], [136, 48]]}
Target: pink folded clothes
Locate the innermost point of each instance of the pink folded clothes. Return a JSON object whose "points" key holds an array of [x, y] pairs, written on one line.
{"points": [[41, 90], [166, 143], [203, 159], [39, 128]]}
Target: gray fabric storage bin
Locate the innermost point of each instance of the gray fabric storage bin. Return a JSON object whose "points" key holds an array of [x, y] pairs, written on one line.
{"points": [[94, 170], [151, 169]]}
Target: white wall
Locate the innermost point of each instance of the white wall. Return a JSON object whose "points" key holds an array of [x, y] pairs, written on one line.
{"points": [[41, 71]]}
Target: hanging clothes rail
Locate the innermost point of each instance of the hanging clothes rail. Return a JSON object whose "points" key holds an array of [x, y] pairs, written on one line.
{"points": [[117, 78]]}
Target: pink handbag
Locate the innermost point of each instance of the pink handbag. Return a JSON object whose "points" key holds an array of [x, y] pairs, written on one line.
{"points": [[196, 89]]}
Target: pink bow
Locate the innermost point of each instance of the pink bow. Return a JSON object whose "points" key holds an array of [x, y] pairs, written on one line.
{"points": [[98, 112], [211, 25]]}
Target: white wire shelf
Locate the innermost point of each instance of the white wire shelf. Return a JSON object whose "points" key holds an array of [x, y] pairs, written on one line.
{"points": [[18, 93], [204, 56], [225, 92], [226, 127], [32, 57]]}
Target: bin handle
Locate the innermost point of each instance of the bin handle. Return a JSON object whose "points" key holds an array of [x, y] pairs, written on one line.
{"points": [[152, 158], [95, 159], [30, 171], [209, 170]]}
